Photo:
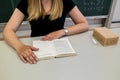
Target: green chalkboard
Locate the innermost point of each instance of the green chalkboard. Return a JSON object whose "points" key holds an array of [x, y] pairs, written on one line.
{"points": [[6, 9], [94, 7], [15, 2]]}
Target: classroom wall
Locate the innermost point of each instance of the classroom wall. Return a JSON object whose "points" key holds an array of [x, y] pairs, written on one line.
{"points": [[116, 15]]}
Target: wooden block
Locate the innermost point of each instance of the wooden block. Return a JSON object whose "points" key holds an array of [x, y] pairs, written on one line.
{"points": [[105, 36]]}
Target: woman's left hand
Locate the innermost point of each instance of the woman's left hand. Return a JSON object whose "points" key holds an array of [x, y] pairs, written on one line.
{"points": [[54, 35]]}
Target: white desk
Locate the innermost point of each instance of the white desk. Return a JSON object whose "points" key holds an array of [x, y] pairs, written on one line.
{"points": [[94, 62]]}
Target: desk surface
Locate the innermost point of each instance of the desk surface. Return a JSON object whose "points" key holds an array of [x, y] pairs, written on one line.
{"points": [[94, 62]]}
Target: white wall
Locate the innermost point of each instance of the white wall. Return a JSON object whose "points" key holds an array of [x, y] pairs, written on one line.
{"points": [[116, 15]]}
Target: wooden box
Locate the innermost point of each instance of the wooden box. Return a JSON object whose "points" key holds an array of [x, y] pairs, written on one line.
{"points": [[105, 36]]}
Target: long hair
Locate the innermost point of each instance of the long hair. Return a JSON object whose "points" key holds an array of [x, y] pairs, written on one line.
{"points": [[36, 10]]}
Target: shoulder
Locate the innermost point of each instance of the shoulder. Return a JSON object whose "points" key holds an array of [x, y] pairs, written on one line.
{"points": [[68, 5], [23, 3], [22, 6]]}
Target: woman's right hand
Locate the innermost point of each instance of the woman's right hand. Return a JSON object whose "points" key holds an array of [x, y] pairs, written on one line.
{"points": [[26, 54]]}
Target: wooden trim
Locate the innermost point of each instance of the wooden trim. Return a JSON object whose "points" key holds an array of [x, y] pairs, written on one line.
{"points": [[112, 9]]}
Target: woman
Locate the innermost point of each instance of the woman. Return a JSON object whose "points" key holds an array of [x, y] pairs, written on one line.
{"points": [[46, 18]]}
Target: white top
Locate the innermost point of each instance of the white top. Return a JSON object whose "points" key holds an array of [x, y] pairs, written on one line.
{"points": [[93, 62]]}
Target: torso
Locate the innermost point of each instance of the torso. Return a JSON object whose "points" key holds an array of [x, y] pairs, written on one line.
{"points": [[44, 26]]}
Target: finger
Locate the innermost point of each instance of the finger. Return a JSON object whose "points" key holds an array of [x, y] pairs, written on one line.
{"points": [[23, 59], [28, 59], [32, 54], [34, 48], [44, 38], [32, 59], [26, 56], [35, 57], [47, 37]]}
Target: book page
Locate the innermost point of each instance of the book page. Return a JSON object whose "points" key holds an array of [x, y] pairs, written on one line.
{"points": [[63, 47], [46, 49]]}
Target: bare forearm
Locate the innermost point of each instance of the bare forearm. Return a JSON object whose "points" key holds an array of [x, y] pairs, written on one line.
{"points": [[78, 28], [11, 38]]}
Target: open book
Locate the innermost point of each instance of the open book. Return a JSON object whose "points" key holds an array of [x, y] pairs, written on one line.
{"points": [[53, 49]]}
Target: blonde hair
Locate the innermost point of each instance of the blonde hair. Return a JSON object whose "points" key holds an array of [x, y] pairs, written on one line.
{"points": [[36, 10]]}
